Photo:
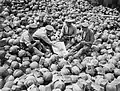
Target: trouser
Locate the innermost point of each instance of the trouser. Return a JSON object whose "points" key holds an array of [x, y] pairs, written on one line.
{"points": [[44, 45], [32, 50], [79, 50]]}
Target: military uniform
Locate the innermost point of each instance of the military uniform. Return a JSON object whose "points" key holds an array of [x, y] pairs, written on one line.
{"points": [[41, 34], [67, 32], [26, 40], [82, 47]]}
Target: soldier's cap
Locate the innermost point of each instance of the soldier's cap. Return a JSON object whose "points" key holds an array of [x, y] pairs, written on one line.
{"points": [[85, 24], [33, 26], [70, 20], [49, 28]]}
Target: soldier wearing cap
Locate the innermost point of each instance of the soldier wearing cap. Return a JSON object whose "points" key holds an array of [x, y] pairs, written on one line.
{"points": [[43, 34], [68, 31], [27, 41], [87, 34], [46, 20], [86, 42]]}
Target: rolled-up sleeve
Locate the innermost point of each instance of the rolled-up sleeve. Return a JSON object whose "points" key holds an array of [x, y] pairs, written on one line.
{"points": [[46, 39]]}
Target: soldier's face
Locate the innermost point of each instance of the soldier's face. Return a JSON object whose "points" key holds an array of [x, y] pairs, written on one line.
{"points": [[48, 32]]}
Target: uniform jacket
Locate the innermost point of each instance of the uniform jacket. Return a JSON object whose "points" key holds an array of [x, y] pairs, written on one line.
{"points": [[41, 34], [89, 36], [68, 31]]}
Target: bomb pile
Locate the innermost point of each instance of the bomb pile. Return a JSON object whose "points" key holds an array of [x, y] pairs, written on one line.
{"points": [[21, 71]]}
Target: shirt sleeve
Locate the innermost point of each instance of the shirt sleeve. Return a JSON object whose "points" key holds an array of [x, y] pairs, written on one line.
{"points": [[46, 39]]}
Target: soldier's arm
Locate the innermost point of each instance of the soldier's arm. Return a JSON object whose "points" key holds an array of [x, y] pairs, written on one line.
{"points": [[46, 39], [91, 38], [62, 31]]}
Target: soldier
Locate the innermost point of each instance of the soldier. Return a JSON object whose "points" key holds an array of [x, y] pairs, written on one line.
{"points": [[86, 42], [43, 34], [27, 42], [68, 32]]}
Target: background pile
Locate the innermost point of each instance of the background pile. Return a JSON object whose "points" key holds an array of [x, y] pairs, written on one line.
{"points": [[19, 69]]}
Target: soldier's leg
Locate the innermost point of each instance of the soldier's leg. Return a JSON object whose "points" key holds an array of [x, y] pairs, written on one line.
{"points": [[37, 52], [73, 50], [81, 52], [77, 47]]}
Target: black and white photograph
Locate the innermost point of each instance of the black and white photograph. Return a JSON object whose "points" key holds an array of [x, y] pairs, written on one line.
{"points": [[59, 45]]}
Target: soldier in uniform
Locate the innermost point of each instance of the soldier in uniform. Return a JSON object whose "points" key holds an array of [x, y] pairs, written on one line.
{"points": [[68, 32], [85, 44], [28, 43]]}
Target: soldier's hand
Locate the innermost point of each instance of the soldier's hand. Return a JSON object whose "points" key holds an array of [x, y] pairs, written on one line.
{"points": [[37, 41], [30, 46]]}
